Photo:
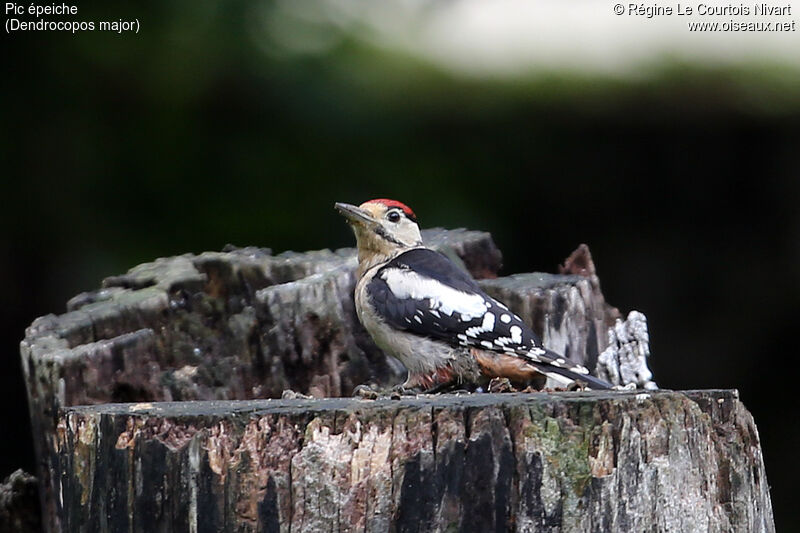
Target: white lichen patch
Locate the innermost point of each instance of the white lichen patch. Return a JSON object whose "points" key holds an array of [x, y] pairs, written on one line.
{"points": [[624, 362]]}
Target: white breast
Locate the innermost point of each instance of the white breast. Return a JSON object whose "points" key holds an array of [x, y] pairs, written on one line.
{"points": [[418, 354]]}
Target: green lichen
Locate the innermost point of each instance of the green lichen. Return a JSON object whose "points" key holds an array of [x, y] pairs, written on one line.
{"points": [[565, 447]]}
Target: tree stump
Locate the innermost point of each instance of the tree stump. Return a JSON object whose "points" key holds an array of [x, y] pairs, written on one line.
{"points": [[657, 461], [231, 327]]}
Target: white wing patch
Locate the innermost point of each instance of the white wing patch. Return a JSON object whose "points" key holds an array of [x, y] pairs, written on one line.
{"points": [[488, 322], [447, 300], [492, 326]]}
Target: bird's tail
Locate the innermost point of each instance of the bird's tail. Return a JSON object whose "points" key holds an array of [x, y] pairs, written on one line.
{"points": [[570, 373]]}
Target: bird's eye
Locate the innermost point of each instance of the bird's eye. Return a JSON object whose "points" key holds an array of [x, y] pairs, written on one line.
{"points": [[394, 216]]}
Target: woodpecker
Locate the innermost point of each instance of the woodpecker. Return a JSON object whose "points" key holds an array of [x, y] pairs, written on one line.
{"points": [[422, 309]]}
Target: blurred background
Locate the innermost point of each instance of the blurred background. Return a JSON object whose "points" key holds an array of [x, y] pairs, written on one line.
{"points": [[674, 155]]}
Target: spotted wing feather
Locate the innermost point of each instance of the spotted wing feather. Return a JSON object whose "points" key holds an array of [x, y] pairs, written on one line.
{"points": [[423, 292]]}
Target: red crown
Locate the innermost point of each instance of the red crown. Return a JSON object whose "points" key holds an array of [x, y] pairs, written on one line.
{"points": [[394, 203]]}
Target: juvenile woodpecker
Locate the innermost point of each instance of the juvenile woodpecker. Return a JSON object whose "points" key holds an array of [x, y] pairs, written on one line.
{"points": [[422, 309]]}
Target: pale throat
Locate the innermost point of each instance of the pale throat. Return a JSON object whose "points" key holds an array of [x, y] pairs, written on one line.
{"points": [[372, 251], [370, 257]]}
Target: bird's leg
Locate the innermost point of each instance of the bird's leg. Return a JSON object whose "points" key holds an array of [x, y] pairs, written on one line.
{"points": [[405, 390], [367, 392], [501, 385], [373, 392]]}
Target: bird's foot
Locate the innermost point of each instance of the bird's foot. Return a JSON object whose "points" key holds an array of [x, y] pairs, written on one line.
{"points": [[398, 391], [373, 392], [366, 392], [501, 385]]}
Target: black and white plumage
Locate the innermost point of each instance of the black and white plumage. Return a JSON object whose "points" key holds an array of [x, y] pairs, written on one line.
{"points": [[425, 311], [421, 291]]}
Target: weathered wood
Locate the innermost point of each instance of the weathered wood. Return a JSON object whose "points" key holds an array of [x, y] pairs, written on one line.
{"points": [[239, 324], [624, 360], [19, 504], [656, 461], [244, 324]]}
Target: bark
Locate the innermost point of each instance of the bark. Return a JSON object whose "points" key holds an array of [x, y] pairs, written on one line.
{"points": [[619, 461], [243, 324], [239, 324]]}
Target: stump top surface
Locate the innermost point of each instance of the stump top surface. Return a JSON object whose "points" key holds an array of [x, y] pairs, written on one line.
{"points": [[295, 406]]}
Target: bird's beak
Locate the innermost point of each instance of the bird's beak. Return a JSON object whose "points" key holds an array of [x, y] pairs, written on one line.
{"points": [[353, 214]]}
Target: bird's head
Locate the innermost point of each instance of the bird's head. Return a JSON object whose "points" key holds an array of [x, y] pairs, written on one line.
{"points": [[383, 227]]}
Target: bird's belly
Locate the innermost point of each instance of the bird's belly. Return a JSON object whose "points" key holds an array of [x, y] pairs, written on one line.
{"points": [[418, 354]]}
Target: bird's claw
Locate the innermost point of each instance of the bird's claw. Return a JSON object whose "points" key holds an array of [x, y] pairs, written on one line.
{"points": [[500, 385], [366, 392], [372, 392]]}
